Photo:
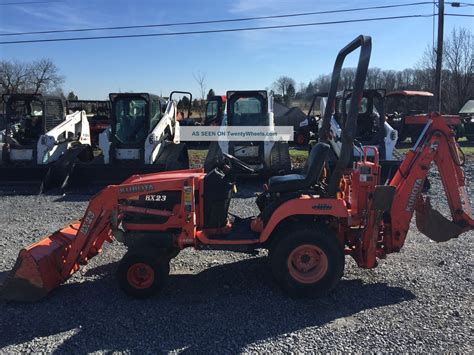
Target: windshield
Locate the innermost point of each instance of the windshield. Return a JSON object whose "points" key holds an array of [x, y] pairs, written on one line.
{"points": [[130, 120], [212, 110], [248, 111], [27, 109]]}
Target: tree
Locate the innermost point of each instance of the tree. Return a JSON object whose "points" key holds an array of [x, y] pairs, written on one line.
{"points": [[459, 61], [184, 103], [13, 76], [290, 91], [200, 78], [72, 96], [282, 83], [41, 76], [44, 76], [210, 94]]}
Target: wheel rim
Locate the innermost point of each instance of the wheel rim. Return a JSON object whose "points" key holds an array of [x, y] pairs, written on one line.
{"points": [[140, 275], [307, 263]]}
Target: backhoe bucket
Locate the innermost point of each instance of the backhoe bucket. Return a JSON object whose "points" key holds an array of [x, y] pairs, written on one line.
{"points": [[433, 224], [39, 267]]}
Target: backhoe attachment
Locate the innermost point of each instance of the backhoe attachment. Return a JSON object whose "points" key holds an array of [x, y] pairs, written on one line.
{"points": [[433, 224]]}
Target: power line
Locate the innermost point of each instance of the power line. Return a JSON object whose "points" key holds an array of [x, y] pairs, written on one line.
{"points": [[215, 31], [220, 20], [29, 2], [459, 15]]}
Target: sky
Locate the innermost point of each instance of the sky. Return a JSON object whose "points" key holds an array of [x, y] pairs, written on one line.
{"points": [[230, 61]]}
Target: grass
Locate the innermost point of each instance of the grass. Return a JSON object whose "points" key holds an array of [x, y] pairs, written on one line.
{"points": [[197, 157]]}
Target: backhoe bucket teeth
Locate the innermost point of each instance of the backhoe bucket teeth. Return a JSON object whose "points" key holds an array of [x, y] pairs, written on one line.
{"points": [[39, 267], [434, 225]]}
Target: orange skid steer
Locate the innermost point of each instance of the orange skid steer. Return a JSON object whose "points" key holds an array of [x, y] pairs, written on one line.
{"points": [[308, 222]]}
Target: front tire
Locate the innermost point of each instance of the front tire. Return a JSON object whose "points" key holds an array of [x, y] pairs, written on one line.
{"points": [[307, 262], [142, 274]]}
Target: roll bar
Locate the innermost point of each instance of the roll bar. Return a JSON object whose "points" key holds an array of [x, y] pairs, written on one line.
{"points": [[350, 128], [184, 93]]}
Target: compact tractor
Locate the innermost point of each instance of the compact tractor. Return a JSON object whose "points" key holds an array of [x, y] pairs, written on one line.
{"points": [[143, 137], [308, 222], [250, 108], [38, 134]]}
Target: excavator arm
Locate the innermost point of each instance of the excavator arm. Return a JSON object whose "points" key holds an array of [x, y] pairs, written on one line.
{"points": [[436, 144]]}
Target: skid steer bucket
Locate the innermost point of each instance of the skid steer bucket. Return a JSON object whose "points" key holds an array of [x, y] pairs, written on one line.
{"points": [[41, 266], [433, 224]]}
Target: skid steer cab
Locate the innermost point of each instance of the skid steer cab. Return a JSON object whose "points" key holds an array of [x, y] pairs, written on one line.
{"points": [[308, 222], [37, 134], [143, 137], [249, 108]]}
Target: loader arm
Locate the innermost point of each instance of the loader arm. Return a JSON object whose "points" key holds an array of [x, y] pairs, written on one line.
{"points": [[46, 264], [436, 144], [167, 126], [53, 143]]}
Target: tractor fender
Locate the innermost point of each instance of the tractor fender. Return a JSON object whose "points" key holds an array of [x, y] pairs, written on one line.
{"points": [[304, 206]]}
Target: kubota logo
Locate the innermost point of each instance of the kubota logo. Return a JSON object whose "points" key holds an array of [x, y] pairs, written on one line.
{"points": [[86, 222], [414, 194], [136, 188]]}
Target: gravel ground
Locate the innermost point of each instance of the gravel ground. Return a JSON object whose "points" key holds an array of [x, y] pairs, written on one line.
{"points": [[419, 300]]}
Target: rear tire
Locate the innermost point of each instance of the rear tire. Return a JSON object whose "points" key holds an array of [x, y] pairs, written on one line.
{"points": [[142, 274], [307, 262], [280, 161]]}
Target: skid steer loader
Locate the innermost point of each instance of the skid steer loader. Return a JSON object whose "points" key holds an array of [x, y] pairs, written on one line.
{"points": [[143, 138], [372, 128], [250, 108], [37, 134], [308, 222], [98, 114]]}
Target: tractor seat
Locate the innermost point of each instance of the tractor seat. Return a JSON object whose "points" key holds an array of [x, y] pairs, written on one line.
{"points": [[296, 182]]}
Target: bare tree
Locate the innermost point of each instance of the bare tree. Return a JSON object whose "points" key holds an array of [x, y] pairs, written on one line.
{"points": [[13, 76], [282, 83], [200, 78], [459, 61], [44, 76], [39, 76]]}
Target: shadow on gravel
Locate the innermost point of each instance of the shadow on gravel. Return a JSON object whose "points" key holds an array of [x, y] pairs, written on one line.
{"points": [[221, 309]]}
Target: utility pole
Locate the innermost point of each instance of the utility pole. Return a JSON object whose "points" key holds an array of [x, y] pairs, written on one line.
{"points": [[439, 55]]}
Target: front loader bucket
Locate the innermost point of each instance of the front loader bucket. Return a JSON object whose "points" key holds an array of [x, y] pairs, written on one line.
{"points": [[39, 267], [434, 225]]}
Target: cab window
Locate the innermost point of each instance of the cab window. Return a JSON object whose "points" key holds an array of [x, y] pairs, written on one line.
{"points": [[130, 120]]}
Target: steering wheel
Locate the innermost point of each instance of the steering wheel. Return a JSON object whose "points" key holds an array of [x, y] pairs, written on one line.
{"points": [[238, 163]]}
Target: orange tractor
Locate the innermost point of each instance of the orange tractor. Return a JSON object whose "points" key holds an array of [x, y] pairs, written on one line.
{"points": [[308, 222]]}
